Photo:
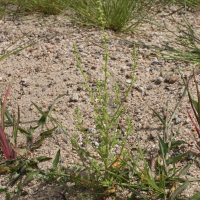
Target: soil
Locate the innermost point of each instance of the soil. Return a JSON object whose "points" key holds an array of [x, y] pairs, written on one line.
{"points": [[48, 69]]}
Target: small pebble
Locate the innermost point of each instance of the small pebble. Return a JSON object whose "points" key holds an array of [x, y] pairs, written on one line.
{"points": [[173, 79], [190, 156], [159, 80], [129, 64], [128, 81], [73, 98], [58, 131], [140, 89], [150, 87]]}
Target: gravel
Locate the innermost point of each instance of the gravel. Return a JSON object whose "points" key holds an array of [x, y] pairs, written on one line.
{"points": [[46, 70]]}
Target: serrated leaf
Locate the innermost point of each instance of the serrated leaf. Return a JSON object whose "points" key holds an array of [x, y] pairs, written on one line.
{"points": [[179, 190], [56, 160], [30, 176], [176, 158], [49, 131], [196, 196], [163, 122], [43, 158]]}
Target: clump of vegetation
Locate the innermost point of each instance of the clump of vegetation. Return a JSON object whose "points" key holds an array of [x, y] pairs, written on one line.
{"points": [[99, 166], [120, 15], [20, 165]]}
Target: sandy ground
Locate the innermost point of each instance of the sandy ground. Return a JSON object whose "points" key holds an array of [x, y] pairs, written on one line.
{"points": [[46, 70]]}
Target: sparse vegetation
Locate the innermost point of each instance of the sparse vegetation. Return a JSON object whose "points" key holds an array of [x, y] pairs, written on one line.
{"points": [[106, 170]]}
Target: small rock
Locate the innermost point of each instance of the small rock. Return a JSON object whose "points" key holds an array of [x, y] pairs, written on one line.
{"points": [[167, 79], [129, 64], [147, 69], [32, 107], [65, 140], [153, 135], [69, 92], [127, 99], [173, 79], [123, 69], [128, 81], [91, 80], [73, 98], [140, 89], [58, 131], [24, 80], [26, 84], [190, 156], [150, 87], [93, 67], [159, 80], [154, 63], [96, 144], [113, 57], [178, 121]]}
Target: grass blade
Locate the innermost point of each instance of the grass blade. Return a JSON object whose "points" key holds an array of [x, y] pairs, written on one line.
{"points": [[49, 132], [30, 176], [163, 122], [56, 160], [179, 190], [176, 158], [196, 196]]}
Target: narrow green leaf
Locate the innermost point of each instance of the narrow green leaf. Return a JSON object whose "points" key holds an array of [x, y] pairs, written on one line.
{"points": [[163, 144], [39, 142], [43, 158], [196, 196], [163, 122], [176, 158], [25, 133], [56, 160], [49, 131], [177, 143], [179, 190], [10, 119], [30, 176], [41, 121], [7, 196], [40, 111], [184, 170], [52, 106], [3, 190]]}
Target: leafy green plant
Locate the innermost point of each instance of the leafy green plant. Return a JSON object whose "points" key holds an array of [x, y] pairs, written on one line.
{"points": [[162, 182], [120, 15], [6, 146], [21, 165], [47, 7], [104, 168], [195, 105]]}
